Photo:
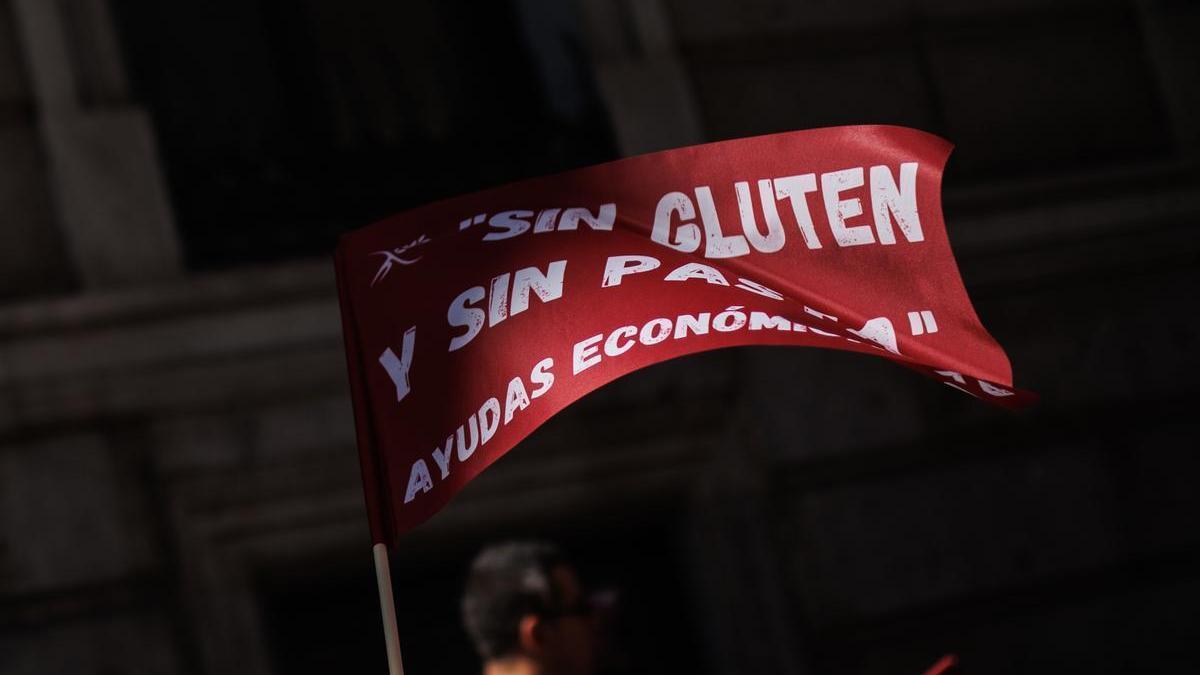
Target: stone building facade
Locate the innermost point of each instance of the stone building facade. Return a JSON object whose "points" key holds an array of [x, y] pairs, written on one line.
{"points": [[178, 483]]}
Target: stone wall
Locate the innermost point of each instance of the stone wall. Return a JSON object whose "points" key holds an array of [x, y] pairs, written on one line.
{"points": [[178, 480]]}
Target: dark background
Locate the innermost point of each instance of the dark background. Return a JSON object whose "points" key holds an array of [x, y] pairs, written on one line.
{"points": [[178, 480]]}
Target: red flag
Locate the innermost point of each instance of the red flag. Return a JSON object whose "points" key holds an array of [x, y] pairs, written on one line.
{"points": [[945, 666], [469, 322]]}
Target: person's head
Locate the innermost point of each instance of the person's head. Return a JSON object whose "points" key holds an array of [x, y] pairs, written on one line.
{"points": [[523, 600]]}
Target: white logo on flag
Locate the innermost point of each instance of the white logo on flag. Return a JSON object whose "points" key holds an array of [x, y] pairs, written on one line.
{"points": [[396, 256]]}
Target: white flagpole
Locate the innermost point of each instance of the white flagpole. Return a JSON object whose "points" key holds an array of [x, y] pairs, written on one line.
{"points": [[383, 576]]}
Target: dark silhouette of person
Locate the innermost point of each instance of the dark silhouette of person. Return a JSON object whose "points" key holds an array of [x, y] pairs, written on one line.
{"points": [[526, 612]]}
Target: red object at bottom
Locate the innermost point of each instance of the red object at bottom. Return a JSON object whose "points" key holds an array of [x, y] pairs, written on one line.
{"points": [[948, 664]]}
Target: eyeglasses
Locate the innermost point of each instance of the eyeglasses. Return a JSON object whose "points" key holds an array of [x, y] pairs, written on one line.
{"points": [[583, 609], [595, 602]]}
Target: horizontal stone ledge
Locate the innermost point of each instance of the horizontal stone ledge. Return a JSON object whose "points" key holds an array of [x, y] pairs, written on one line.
{"points": [[220, 291], [170, 340], [1057, 223], [199, 384]]}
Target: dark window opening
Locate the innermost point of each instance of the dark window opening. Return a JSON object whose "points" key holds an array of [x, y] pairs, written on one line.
{"points": [[1021, 92], [282, 124]]}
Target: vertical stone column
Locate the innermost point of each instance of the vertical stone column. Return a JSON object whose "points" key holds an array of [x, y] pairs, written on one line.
{"points": [[1169, 28], [107, 184], [640, 75], [748, 623], [745, 617], [29, 241]]}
